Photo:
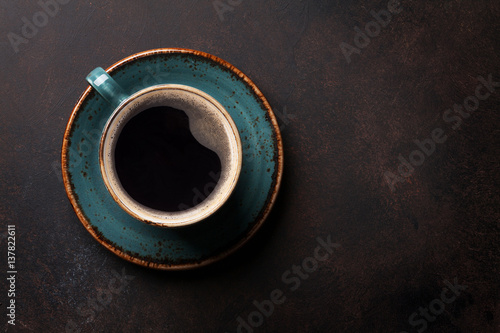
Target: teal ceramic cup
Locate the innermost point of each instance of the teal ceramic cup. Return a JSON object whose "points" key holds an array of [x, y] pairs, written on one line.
{"points": [[209, 122], [192, 79]]}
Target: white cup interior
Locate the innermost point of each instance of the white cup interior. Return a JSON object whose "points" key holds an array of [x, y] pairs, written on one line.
{"points": [[210, 124]]}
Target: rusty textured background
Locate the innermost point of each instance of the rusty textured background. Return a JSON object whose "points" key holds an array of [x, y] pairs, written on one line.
{"points": [[346, 125]]}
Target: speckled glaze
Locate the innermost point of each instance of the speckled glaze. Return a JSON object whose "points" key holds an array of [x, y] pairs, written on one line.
{"points": [[218, 235]]}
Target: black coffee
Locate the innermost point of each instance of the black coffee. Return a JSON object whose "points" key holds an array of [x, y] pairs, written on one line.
{"points": [[161, 165]]}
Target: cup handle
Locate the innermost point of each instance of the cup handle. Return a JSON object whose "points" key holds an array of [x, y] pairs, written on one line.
{"points": [[106, 86]]}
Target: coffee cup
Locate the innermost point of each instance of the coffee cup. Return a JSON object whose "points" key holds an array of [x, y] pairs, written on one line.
{"points": [[163, 144]]}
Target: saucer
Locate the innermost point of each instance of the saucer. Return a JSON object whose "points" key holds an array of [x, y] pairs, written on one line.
{"points": [[212, 238]]}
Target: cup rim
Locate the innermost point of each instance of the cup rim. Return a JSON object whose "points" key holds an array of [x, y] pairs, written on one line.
{"points": [[156, 217]]}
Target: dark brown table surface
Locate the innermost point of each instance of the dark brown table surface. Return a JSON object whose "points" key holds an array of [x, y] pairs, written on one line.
{"points": [[346, 126]]}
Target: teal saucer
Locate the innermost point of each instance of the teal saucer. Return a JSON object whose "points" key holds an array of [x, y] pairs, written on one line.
{"points": [[206, 241]]}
